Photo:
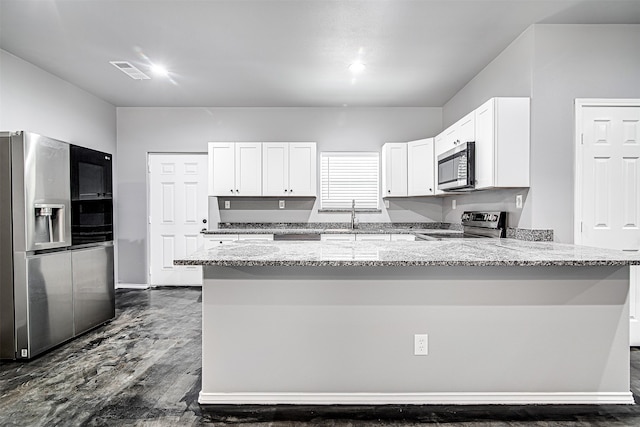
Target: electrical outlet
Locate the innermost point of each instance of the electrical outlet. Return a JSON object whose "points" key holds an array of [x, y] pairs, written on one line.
{"points": [[386, 204], [420, 345], [519, 201], [281, 204], [227, 204], [453, 203], [24, 352]]}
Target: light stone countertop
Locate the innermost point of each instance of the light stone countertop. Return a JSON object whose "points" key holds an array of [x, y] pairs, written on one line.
{"points": [[455, 252], [328, 231]]}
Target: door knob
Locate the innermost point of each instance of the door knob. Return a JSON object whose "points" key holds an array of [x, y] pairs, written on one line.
{"points": [[204, 221]]}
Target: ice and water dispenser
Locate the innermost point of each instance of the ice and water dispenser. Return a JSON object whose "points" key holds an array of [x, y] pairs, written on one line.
{"points": [[49, 225]]}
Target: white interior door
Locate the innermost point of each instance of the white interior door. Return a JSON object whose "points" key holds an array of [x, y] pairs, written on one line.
{"points": [[609, 176], [178, 209]]}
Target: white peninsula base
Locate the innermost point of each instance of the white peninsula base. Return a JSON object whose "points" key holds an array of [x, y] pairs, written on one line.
{"points": [[345, 335]]}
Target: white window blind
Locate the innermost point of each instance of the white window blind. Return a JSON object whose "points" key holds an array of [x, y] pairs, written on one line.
{"points": [[347, 176]]}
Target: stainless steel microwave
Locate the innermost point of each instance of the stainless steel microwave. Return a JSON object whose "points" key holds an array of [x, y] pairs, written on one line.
{"points": [[456, 168]]}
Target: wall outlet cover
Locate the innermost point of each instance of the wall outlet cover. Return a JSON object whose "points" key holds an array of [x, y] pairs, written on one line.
{"points": [[519, 201], [386, 204], [227, 204], [421, 345], [281, 204], [453, 203]]}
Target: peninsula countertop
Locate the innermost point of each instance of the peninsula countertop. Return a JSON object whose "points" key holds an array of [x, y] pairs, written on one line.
{"points": [[456, 252]]}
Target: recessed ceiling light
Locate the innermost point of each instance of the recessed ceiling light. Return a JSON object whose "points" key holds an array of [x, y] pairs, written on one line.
{"points": [[159, 70], [357, 67]]}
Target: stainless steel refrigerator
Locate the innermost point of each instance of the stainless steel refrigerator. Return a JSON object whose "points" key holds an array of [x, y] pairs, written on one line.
{"points": [[39, 305]]}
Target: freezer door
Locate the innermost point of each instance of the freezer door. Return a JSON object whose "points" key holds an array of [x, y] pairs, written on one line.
{"points": [[47, 192], [93, 287], [49, 302]]}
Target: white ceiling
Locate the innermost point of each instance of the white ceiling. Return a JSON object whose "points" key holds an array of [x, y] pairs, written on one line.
{"points": [[271, 53]]}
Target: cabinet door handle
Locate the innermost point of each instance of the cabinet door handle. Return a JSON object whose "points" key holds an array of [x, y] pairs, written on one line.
{"points": [[290, 191], [237, 191], [431, 189], [285, 190], [388, 191], [232, 190]]}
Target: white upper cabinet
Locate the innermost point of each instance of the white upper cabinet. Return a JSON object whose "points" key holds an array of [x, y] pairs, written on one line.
{"points": [[394, 169], [289, 169], [502, 143], [235, 169], [421, 173], [222, 171]]}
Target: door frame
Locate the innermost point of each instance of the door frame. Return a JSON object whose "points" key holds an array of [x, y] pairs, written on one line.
{"points": [[581, 103], [147, 271]]}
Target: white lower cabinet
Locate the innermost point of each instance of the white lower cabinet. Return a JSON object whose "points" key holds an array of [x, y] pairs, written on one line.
{"points": [[337, 237], [212, 240], [255, 237], [373, 237], [403, 238]]}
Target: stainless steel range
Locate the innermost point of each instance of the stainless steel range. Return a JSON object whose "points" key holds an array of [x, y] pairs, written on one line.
{"points": [[474, 225]]}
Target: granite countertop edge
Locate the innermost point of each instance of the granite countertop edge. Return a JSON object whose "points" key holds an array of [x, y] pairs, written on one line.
{"points": [[434, 263], [224, 231], [457, 252]]}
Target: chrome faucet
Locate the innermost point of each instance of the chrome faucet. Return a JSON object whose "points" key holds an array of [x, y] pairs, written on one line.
{"points": [[353, 214]]}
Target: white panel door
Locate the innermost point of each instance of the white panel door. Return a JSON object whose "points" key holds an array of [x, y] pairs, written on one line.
{"points": [[420, 163], [178, 208], [611, 177], [248, 169], [275, 169], [222, 161], [610, 187], [303, 169]]}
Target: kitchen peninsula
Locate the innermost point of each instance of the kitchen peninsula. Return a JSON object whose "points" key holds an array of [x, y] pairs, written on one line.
{"points": [[507, 321]]}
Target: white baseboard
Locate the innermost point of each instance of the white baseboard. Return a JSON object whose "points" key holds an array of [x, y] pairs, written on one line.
{"points": [[595, 398], [132, 286]]}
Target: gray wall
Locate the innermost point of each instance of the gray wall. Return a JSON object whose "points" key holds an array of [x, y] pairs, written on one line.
{"points": [[561, 63], [144, 130], [572, 61], [34, 100]]}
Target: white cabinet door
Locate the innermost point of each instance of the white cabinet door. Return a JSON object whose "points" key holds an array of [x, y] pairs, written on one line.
{"points": [[212, 240], [394, 169], [255, 237], [485, 154], [420, 162], [302, 169], [465, 129], [403, 238], [248, 169], [502, 143], [222, 169], [275, 169], [373, 237], [337, 237]]}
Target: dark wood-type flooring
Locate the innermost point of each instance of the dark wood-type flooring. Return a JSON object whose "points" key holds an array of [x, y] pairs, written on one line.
{"points": [[143, 369]]}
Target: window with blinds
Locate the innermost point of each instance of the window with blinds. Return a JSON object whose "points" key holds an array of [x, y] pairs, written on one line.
{"points": [[347, 176]]}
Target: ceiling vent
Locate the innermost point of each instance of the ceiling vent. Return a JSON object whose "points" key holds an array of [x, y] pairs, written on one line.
{"points": [[129, 70]]}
